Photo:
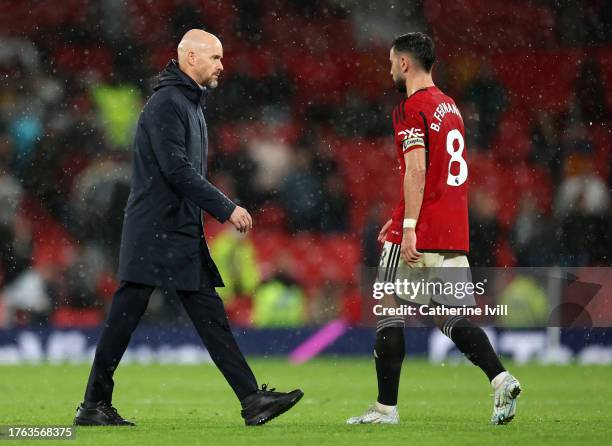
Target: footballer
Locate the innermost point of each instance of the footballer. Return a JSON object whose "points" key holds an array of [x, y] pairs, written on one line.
{"points": [[428, 230]]}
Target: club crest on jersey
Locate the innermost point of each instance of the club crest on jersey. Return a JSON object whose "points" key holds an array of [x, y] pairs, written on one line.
{"points": [[411, 137]]}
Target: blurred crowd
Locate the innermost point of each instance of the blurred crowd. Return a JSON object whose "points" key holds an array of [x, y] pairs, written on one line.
{"points": [[300, 135]]}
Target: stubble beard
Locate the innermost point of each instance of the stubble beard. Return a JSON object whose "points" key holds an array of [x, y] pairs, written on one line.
{"points": [[400, 84]]}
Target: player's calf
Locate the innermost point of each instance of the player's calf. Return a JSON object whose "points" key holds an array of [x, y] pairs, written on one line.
{"points": [[474, 343], [389, 352]]}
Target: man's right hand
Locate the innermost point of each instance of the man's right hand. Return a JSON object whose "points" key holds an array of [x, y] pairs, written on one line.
{"points": [[382, 235], [241, 219]]}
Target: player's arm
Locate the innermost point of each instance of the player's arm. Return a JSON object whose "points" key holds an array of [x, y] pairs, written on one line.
{"points": [[414, 183], [414, 188]]}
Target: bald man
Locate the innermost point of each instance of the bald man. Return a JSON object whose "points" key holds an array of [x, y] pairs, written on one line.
{"points": [[163, 244]]}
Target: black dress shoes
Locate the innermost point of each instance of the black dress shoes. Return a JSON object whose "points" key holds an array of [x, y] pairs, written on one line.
{"points": [[264, 405], [99, 414]]}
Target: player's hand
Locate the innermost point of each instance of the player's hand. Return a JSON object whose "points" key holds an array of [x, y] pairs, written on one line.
{"points": [[408, 249], [241, 219], [382, 235]]}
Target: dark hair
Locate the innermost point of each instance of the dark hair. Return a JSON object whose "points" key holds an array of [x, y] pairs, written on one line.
{"points": [[419, 45]]}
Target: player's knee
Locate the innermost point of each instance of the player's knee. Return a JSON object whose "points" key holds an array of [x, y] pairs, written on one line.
{"points": [[389, 322], [440, 320], [455, 323]]}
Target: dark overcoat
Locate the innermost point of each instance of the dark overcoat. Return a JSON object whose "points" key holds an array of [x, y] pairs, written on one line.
{"points": [[163, 240]]}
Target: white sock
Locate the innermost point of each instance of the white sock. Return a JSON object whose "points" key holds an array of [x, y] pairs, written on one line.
{"points": [[382, 408], [496, 382]]}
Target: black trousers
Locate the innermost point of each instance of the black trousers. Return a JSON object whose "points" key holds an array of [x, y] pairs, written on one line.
{"points": [[207, 313]]}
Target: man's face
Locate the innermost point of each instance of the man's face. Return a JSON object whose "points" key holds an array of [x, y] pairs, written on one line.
{"points": [[207, 64], [399, 78]]}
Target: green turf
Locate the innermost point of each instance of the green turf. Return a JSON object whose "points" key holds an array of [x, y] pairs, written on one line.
{"points": [[438, 405]]}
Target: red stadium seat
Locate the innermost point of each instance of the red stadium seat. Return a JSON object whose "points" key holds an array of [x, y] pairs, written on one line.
{"points": [[512, 143], [19, 15], [345, 254], [69, 317], [271, 215], [492, 24], [540, 80], [269, 247], [81, 59]]}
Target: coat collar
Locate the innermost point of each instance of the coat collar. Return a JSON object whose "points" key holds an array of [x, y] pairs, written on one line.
{"points": [[173, 75]]}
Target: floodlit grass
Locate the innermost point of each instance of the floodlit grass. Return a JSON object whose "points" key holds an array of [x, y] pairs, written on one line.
{"points": [[438, 405]]}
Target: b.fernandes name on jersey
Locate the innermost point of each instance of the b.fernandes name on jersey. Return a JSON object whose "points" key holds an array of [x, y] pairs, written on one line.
{"points": [[442, 109]]}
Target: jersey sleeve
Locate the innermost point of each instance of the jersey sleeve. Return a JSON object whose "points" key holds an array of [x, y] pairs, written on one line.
{"points": [[409, 128]]}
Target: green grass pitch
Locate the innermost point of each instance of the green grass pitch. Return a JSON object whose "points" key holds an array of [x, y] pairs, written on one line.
{"points": [[445, 405]]}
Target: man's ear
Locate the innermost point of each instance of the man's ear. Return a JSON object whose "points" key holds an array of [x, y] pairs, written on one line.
{"points": [[404, 63]]}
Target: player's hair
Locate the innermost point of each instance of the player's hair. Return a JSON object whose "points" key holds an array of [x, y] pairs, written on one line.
{"points": [[419, 46]]}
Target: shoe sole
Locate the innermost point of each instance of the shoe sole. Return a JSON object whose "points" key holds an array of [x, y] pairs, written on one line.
{"points": [[393, 423], [272, 413], [81, 422]]}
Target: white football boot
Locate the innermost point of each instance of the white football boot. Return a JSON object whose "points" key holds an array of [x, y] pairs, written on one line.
{"points": [[374, 416], [507, 389]]}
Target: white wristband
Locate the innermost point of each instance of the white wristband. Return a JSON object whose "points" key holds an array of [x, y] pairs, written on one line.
{"points": [[409, 223]]}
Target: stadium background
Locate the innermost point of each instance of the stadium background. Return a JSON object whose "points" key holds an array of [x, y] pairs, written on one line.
{"points": [[300, 134]]}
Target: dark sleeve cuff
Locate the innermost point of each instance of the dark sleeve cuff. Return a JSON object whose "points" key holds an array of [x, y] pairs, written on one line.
{"points": [[225, 210]]}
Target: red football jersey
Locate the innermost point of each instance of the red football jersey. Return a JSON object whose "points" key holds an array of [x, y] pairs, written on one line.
{"points": [[430, 120]]}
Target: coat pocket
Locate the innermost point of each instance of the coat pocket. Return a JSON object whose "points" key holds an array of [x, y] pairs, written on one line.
{"points": [[183, 245]]}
